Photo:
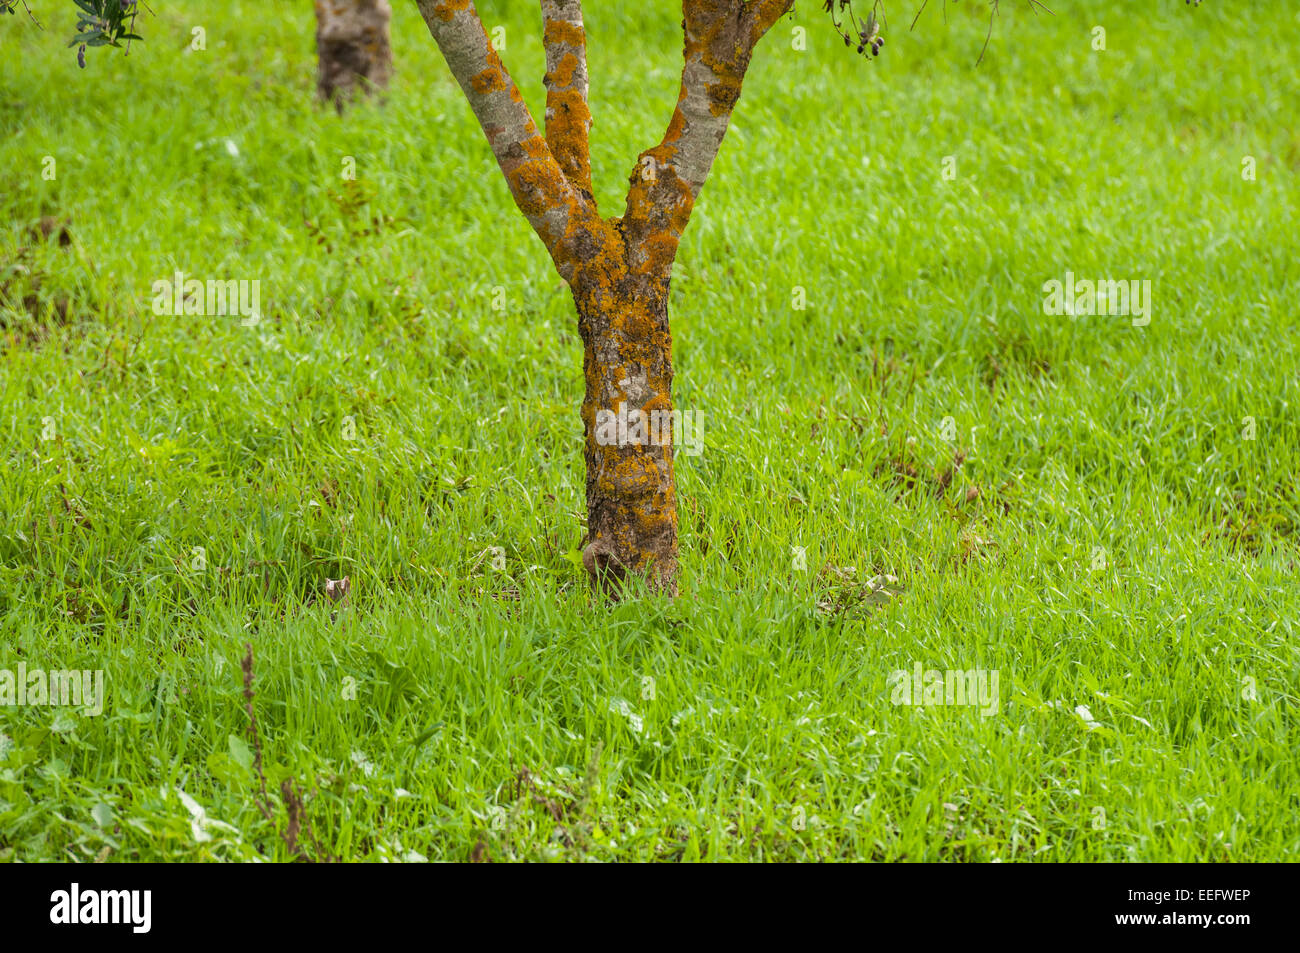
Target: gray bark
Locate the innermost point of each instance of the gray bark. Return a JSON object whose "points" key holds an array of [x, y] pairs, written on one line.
{"points": [[353, 48]]}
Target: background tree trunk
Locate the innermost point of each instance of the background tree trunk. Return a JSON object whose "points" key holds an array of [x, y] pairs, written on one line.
{"points": [[353, 48]]}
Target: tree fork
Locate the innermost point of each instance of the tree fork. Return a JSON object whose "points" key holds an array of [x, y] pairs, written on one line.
{"points": [[619, 269]]}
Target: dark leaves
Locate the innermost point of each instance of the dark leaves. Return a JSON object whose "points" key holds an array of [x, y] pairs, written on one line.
{"points": [[103, 23]]}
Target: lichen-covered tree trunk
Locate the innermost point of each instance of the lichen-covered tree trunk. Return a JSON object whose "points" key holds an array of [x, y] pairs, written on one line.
{"points": [[619, 268], [353, 48], [627, 415]]}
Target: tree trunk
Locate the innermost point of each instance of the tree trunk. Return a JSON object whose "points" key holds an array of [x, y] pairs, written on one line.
{"points": [[353, 48], [618, 268], [627, 415]]}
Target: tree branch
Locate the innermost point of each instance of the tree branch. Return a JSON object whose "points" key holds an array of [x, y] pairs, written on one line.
{"points": [[568, 118], [558, 212], [766, 13], [719, 39]]}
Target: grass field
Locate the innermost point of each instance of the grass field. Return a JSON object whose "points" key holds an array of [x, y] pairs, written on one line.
{"points": [[1110, 521]]}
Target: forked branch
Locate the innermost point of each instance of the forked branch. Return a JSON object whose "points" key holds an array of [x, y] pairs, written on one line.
{"points": [[559, 213], [720, 36]]}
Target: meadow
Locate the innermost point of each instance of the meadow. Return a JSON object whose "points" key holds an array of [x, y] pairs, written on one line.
{"points": [[1104, 512]]}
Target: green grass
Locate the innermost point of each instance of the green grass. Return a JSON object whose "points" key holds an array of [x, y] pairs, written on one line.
{"points": [[1128, 550]]}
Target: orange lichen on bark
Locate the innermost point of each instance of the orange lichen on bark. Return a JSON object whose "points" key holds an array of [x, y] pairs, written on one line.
{"points": [[565, 32], [723, 95], [449, 8], [535, 147], [630, 478], [659, 251], [562, 75], [767, 12], [568, 118], [489, 81], [528, 182]]}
